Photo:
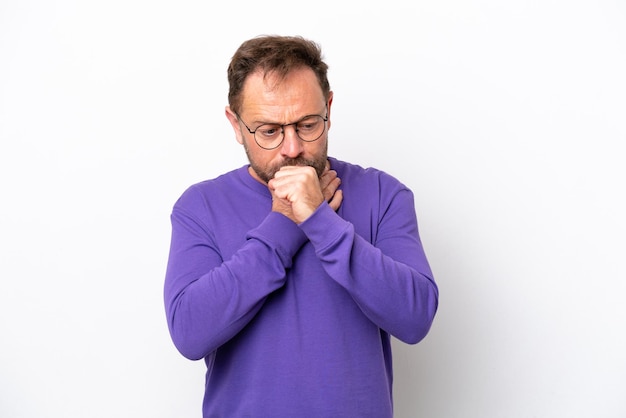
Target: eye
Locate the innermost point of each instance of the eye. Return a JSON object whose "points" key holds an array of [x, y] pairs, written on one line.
{"points": [[268, 130], [309, 123]]}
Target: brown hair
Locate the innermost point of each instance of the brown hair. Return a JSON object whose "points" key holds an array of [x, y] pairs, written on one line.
{"points": [[277, 55]]}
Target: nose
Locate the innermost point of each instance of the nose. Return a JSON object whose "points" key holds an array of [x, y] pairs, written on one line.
{"points": [[292, 145]]}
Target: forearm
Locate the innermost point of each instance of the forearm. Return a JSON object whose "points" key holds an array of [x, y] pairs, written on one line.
{"points": [[209, 300], [390, 281]]}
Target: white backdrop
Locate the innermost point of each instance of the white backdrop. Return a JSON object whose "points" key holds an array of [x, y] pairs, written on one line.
{"points": [[507, 119]]}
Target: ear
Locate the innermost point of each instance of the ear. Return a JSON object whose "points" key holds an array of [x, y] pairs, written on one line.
{"points": [[330, 102], [234, 122]]}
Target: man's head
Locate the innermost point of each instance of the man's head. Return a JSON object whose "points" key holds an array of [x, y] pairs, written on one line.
{"points": [[276, 55], [280, 81]]}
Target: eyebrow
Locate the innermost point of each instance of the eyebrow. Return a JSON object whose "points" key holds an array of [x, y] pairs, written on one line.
{"points": [[262, 122]]}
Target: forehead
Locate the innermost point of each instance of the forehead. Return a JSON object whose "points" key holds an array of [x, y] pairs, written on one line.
{"points": [[268, 96]]}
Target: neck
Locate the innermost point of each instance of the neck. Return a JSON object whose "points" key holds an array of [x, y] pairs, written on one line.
{"points": [[255, 175]]}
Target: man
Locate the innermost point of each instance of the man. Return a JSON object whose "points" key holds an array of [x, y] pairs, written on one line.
{"points": [[288, 275]]}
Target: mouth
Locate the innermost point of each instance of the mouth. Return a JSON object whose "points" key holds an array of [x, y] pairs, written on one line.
{"points": [[296, 162]]}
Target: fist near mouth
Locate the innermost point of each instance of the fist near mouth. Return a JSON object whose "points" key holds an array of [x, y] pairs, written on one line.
{"points": [[297, 191]]}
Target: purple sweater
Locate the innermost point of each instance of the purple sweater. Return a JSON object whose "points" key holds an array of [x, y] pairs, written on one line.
{"points": [[295, 320]]}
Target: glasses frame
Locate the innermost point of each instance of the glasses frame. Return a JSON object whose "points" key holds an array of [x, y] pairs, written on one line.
{"points": [[282, 129]]}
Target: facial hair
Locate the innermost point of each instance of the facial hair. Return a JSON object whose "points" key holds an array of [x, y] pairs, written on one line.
{"points": [[267, 173]]}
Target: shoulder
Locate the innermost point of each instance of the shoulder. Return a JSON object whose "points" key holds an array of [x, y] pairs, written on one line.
{"points": [[200, 193], [365, 179]]}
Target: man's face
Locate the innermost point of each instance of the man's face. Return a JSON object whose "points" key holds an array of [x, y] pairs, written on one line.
{"points": [[265, 101]]}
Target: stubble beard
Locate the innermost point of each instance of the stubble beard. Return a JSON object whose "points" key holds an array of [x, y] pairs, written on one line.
{"points": [[267, 173]]}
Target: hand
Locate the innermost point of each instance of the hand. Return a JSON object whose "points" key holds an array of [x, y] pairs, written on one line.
{"points": [[329, 183], [297, 191]]}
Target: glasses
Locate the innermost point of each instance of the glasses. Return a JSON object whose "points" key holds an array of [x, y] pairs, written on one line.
{"points": [[270, 135]]}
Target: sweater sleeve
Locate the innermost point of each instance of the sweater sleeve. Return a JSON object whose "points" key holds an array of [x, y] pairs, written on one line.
{"points": [[208, 300], [389, 279]]}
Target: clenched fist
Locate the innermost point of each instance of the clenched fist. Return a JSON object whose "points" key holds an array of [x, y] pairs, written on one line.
{"points": [[297, 191]]}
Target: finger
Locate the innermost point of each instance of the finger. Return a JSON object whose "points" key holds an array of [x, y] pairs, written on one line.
{"points": [[336, 200], [331, 188], [290, 170], [327, 178]]}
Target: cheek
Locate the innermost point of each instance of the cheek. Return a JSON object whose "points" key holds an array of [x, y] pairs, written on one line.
{"points": [[258, 156], [317, 148]]}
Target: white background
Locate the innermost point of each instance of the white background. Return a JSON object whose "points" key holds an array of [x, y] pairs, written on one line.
{"points": [[507, 119]]}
